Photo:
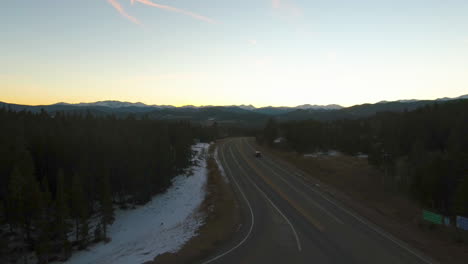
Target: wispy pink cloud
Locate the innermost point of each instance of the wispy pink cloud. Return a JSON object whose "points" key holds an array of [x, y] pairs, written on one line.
{"points": [[177, 10], [122, 12], [276, 3], [287, 6]]}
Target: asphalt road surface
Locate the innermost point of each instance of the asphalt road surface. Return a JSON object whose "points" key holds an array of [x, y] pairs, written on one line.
{"points": [[287, 219]]}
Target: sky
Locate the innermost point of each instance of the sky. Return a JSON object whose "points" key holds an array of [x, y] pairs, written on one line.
{"points": [[219, 52]]}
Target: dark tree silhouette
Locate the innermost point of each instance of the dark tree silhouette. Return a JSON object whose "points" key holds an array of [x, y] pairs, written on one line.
{"points": [[422, 152]]}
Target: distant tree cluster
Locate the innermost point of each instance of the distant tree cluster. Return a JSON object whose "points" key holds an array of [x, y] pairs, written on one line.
{"points": [[423, 152], [57, 172]]}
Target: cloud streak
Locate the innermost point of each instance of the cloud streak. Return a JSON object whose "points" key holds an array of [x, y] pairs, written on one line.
{"points": [[122, 12], [276, 3], [177, 10], [288, 7]]}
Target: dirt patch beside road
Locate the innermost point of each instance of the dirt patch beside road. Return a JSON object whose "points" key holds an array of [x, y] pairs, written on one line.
{"points": [[222, 219]]}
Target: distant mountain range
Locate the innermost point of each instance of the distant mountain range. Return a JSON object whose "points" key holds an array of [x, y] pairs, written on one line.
{"points": [[116, 104], [119, 104], [439, 99], [234, 114]]}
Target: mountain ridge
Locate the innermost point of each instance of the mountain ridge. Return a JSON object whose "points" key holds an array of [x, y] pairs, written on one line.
{"points": [[119, 104], [247, 115]]}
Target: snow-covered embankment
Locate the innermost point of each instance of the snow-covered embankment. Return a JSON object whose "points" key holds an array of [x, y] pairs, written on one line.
{"points": [[162, 225]]}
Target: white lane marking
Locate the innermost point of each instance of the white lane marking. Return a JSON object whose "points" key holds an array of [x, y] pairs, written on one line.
{"points": [[299, 247], [372, 226], [252, 218], [303, 194]]}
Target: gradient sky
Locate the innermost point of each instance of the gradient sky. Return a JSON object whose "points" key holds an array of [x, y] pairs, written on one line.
{"points": [[217, 52]]}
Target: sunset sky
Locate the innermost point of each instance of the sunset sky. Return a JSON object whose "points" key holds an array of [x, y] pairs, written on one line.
{"points": [[217, 52]]}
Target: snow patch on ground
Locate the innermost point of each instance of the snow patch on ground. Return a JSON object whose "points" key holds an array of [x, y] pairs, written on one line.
{"points": [[362, 155], [162, 225], [279, 140], [221, 168], [330, 153], [334, 153]]}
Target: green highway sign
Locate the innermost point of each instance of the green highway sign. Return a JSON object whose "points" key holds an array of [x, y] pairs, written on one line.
{"points": [[432, 217]]}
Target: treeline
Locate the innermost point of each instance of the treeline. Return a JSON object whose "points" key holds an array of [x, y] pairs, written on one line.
{"points": [[60, 175], [423, 152]]}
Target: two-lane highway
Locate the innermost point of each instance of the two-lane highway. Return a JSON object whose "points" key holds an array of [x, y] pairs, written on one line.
{"points": [[289, 220]]}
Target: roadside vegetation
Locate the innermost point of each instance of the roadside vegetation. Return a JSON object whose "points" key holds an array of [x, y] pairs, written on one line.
{"points": [[422, 153], [61, 176]]}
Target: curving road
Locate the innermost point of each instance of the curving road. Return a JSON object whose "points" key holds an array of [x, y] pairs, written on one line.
{"points": [[287, 219]]}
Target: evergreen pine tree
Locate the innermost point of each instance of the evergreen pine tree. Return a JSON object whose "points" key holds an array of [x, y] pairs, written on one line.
{"points": [[97, 233], [2, 213], [461, 197], [3, 241], [79, 210], [43, 244], [32, 195], [84, 232], [107, 211], [270, 131], [15, 200], [61, 214]]}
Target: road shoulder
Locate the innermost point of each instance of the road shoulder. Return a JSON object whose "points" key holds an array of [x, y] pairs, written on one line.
{"points": [[221, 222]]}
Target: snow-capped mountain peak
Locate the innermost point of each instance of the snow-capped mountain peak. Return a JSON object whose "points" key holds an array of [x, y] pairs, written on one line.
{"points": [[116, 104], [247, 107], [324, 107], [113, 104]]}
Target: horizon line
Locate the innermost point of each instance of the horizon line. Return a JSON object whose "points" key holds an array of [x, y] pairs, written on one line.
{"points": [[243, 104]]}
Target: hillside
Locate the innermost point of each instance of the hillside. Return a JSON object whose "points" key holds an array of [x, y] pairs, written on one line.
{"points": [[244, 115]]}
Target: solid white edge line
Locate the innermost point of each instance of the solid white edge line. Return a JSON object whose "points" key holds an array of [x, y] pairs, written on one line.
{"points": [[251, 214], [360, 219], [299, 247]]}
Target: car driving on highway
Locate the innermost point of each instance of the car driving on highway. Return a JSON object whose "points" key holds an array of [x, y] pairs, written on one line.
{"points": [[258, 154]]}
